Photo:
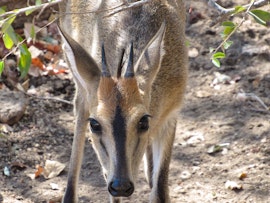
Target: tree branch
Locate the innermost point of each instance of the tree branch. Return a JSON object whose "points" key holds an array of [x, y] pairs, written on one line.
{"points": [[235, 29], [50, 98], [223, 10], [226, 12], [127, 6], [30, 8]]}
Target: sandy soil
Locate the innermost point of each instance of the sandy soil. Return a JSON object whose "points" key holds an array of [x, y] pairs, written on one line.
{"points": [[216, 111]]}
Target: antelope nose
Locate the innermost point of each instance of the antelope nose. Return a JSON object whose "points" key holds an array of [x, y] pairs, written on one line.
{"points": [[121, 188]]}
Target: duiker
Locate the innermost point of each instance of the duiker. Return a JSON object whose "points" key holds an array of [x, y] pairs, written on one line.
{"points": [[130, 70]]}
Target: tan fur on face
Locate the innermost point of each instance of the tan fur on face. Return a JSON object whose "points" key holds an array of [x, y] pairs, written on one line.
{"points": [[107, 92], [123, 92], [130, 93]]}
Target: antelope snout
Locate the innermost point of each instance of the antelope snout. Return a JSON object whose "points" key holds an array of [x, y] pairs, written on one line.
{"points": [[121, 187]]}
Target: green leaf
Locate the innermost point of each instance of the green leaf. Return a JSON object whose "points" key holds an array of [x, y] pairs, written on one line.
{"points": [[3, 9], [216, 62], [25, 60], [2, 65], [38, 2], [227, 44], [218, 55], [28, 12], [228, 24], [7, 41], [8, 23], [10, 35], [11, 19], [33, 33], [238, 9], [260, 16], [228, 28], [19, 38]]}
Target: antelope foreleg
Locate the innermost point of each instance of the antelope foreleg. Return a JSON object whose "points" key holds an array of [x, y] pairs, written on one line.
{"points": [[81, 114], [162, 149]]}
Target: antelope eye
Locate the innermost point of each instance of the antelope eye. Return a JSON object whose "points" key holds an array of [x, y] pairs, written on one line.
{"points": [[95, 126], [143, 124]]}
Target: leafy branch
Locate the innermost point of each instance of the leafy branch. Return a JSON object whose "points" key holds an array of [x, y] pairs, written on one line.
{"points": [[229, 28], [30, 9], [12, 40], [230, 11]]}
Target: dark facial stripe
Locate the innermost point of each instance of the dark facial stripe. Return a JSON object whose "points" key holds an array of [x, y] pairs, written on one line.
{"points": [[119, 134]]}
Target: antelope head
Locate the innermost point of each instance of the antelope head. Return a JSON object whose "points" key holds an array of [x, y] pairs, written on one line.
{"points": [[118, 106]]}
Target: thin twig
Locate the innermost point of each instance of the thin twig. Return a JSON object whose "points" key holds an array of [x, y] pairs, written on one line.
{"points": [[226, 12], [255, 97], [50, 98], [88, 12], [14, 49], [235, 29], [19, 88], [49, 23], [219, 8], [42, 10], [122, 7], [29, 8], [127, 6], [223, 10]]}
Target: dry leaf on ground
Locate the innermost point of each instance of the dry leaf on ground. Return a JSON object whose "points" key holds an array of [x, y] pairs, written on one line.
{"points": [[52, 169]]}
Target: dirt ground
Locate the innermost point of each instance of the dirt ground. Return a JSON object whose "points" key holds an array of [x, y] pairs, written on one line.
{"points": [[222, 108]]}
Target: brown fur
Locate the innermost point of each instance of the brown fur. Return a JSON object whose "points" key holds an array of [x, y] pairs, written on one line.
{"points": [[157, 32]]}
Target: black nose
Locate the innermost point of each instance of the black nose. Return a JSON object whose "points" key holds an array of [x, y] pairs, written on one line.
{"points": [[121, 188]]}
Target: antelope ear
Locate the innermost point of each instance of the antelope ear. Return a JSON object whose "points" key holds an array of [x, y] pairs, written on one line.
{"points": [[149, 62], [84, 68]]}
